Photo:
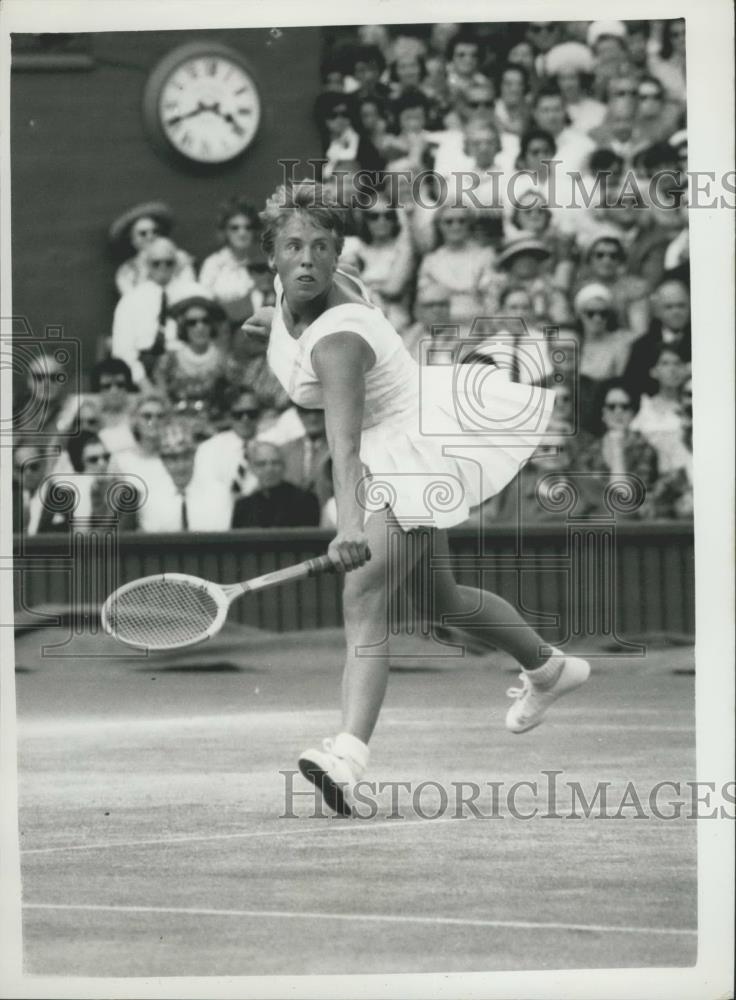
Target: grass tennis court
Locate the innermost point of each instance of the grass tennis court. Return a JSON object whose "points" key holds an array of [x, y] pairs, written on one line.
{"points": [[150, 797]]}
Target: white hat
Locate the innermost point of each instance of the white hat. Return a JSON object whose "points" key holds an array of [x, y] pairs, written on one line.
{"points": [[594, 292], [569, 55], [604, 29]]}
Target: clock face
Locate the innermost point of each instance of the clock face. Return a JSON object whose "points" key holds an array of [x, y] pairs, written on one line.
{"points": [[209, 108]]}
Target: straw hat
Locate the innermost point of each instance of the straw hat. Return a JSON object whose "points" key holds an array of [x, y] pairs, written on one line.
{"points": [[159, 211]]}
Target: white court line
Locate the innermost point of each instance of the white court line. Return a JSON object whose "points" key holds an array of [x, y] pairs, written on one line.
{"points": [[366, 917], [350, 826], [332, 826]]}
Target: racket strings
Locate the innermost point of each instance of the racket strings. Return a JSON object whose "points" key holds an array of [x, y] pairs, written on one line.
{"points": [[162, 613]]}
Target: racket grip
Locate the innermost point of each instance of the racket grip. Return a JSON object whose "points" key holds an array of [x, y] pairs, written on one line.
{"points": [[322, 564], [310, 567]]}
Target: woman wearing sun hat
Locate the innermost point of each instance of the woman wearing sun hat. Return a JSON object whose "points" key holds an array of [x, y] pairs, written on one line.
{"points": [[132, 232], [196, 370]]}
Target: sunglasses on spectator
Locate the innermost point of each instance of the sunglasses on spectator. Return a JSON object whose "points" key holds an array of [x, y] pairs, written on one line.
{"points": [[91, 421], [606, 254], [163, 262], [245, 411], [151, 415], [624, 92], [95, 459], [617, 406], [234, 227], [650, 95], [146, 232], [113, 383], [592, 313], [539, 150], [57, 377], [191, 321], [480, 104], [177, 456]]}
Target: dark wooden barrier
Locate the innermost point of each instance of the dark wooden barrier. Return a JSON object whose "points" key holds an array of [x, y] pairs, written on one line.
{"points": [[569, 583]]}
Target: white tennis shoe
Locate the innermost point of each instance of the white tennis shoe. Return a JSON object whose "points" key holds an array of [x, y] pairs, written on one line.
{"points": [[532, 700], [334, 772]]}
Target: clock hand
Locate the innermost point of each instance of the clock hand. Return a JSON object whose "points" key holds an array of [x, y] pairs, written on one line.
{"points": [[236, 126], [190, 114]]}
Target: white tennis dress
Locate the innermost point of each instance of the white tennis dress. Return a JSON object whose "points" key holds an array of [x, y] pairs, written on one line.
{"points": [[437, 439]]}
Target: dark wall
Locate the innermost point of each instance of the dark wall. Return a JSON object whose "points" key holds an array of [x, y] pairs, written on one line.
{"points": [[80, 156]]}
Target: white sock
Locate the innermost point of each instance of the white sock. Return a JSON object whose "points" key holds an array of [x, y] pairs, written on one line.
{"points": [[347, 745], [547, 674]]}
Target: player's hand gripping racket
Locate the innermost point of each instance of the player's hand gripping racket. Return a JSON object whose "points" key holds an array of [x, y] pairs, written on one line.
{"points": [[172, 610]]}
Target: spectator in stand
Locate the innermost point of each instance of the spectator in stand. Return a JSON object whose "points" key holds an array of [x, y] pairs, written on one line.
{"points": [[225, 274], [307, 458], [656, 118], [571, 65], [223, 459], [666, 57], [618, 449], [605, 263], [72, 499], [607, 39], [185, 500], [673, 495], [618, 130], [511, 109], [472, 107], [522, 54], [276, 503], [368, 64], [463, 268], [112, 382], [463, 65], [142, 461], [142, 328], [543, 36], [30, 468], [376, 145], [604, 347], [572, 147], [337, 113], [46, 405], [637, 40], [524, 261], [671, 325], [196, 370], [432, 313], [482, 146], [659, 416], [383, 256], [132, 232]]}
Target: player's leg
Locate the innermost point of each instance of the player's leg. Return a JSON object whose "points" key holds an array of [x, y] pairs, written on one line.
{"points": [[366, 592], [544, 678]]}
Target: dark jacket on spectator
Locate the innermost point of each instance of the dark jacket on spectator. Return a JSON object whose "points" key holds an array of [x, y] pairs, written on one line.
{"points": [[284, 506], [643, 357]]}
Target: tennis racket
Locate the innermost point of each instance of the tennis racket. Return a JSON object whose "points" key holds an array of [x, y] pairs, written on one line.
{"points": [[173, 610]]}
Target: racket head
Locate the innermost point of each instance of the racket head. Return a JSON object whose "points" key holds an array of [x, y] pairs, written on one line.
{"points": [[165, 611]]}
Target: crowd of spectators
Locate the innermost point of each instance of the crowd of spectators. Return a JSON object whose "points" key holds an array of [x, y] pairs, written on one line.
{"points": [[555, 262]]}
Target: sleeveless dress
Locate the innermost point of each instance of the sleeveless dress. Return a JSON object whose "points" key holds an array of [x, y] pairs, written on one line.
{"points": [[437, 439]]}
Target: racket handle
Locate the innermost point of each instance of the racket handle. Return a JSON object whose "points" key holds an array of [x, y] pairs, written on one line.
{"points": [[310, 567]]}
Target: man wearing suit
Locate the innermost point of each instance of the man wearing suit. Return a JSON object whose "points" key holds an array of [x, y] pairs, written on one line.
{"points": [[276, 504], [307, 458], [671, 327]]}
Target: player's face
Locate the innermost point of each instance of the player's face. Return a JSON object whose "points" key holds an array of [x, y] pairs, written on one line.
{"points": [[305, 256]]}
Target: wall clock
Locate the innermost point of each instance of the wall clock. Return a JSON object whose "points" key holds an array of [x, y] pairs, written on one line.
{"points": [[202, 102]]}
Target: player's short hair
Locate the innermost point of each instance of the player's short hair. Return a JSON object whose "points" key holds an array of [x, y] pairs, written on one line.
{"points": [[309, 199]]}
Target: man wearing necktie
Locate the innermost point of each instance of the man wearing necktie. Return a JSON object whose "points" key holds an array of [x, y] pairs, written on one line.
{"points": [[142, 329], [191, 502]]}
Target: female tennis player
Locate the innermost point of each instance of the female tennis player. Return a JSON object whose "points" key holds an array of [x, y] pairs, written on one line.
{"points": [[331, 349]]}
